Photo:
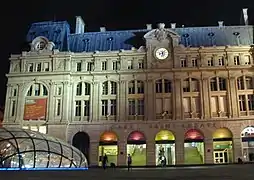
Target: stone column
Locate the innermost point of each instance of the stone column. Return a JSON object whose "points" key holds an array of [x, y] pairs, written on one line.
{"points": [[149, 101], [177, 98], [179, 148], [205, 99], [232, 99], [208, 151], [20, 103], [118, 102], [66, 103], [93, 155], [122, 100], [96, 102], [122, 153], [91, 102], [8, 104], [237, 148], [51, 100], [150, 153]]}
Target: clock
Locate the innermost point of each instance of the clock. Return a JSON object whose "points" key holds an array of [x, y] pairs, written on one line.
{"points": [[161, 53]]}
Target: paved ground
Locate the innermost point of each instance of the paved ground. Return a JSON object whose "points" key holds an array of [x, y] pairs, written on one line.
{"points": [[225, 172]]}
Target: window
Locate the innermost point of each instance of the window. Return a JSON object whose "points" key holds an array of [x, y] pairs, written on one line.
{"points": [[221, 61], [59, 91], [218, 84], [30, 67], [183, 62], [131, 87], [104, 108], [79, 89], [46, 66], [78, 108], [194, 62], [140, 87], [113, 107], [251, 102], [131, 103], [14, 92], [186, 85], [130, 64], [38, 67], [141, 65], [105, 88], [247, 60], [240, 83], [87, 89], [37, 90], [90, 66], [104, 65], [210, 61], [78, 66], [116, 65], [13, 108], [236, 60], [140, 107], [242, 104], [58, 107], [167, 86], [249, 84], [158, 86], [113, 87], [86, 108]]}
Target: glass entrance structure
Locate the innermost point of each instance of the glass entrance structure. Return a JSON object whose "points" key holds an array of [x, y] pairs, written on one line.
{"points": [[22, 148]]}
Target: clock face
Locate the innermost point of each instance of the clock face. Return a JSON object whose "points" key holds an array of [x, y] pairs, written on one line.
{"points": [[161, 53]]}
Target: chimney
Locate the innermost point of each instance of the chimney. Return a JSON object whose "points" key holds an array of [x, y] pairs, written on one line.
{"points": [[149, 26], [80, 25], [102, 29], [245, 16], [173, 25], [220, 23]]}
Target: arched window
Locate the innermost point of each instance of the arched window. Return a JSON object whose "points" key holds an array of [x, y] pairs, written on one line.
{"points": [[36, 102], [190, 85], [218, 84], [109, 88], [163, 86], [136, 87], [83, 89], [244, 82], [131, 87], [37, 90]]}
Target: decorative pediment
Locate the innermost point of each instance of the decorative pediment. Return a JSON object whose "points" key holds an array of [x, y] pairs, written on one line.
{"points": [[162, 33]]}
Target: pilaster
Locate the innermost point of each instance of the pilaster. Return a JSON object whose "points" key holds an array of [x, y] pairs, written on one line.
{"points": [[205, 98], [96, 101], [232, 97], [237, 148], [50, 102], [179, 148], [177, 95], [66, 103], [122, 153], [208, 151], [94, 159], [150, 101], [150, 153]]}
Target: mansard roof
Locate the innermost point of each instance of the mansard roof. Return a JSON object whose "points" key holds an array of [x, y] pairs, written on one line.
{"points": [[59, 33]]}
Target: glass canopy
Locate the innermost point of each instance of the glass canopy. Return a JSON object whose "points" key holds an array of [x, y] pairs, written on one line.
{"points": [[22, 148]]}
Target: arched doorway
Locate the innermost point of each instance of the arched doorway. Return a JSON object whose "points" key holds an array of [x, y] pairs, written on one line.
{"points": [[136, 147], [193, 147], [248, 143], [108, 146], [164, 148], [81, 140], [223, 146]]}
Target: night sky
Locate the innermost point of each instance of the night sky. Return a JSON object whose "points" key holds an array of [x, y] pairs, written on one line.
{"points": [[113, 14]]}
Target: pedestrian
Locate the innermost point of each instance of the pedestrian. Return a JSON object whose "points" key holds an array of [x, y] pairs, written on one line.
{"points": [[104, 161], [129, 161]]}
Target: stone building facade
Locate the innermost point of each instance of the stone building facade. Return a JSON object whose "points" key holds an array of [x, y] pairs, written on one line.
{"points": [[180, 94]]}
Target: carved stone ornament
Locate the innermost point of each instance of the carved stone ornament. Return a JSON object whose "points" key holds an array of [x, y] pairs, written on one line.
{"points": [[160, 33], [41, 44]]}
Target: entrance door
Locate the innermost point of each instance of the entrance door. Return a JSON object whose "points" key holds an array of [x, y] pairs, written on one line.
{"points": [[81, 141], [221, 157]]}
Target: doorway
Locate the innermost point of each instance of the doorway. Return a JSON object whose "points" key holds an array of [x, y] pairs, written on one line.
{"points": [[81, 141], [221, 157]]}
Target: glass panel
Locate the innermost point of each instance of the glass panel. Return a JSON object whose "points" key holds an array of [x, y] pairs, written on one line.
{"points": [[28, 159], [54, 160], [54, 147], [42, 159]]}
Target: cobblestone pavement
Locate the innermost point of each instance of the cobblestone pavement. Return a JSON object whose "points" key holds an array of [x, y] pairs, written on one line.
{"points": [[221, 172]]}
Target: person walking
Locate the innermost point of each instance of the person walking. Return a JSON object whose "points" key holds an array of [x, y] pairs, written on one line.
{"points": [[104, 161], [129, 161]]}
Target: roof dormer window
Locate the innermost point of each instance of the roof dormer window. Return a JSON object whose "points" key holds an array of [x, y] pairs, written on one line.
{"points": [[41, 45]]}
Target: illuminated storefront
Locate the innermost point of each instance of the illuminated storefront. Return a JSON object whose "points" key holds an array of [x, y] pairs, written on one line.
{"points": [[248, 143], [108, 146], [194, 147], [165, 148], [223, 146], [136, 147]]}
